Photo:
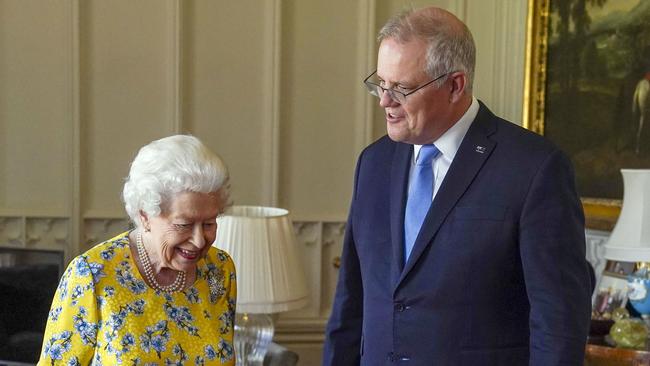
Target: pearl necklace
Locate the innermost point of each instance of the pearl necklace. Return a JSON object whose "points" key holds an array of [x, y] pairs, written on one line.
{"points": [[177, 285]]}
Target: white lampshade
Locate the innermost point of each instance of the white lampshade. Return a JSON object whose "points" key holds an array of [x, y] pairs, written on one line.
{"points": [[630, 239], [261, 241]]}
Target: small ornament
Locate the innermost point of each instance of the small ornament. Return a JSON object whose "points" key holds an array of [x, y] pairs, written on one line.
{"points": [[629, 333]]}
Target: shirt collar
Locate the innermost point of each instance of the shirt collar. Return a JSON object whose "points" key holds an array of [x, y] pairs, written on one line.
{"points": [[449, 142]]}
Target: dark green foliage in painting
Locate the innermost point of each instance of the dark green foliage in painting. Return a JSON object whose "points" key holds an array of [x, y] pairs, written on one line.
{"points": [[599, 51]]}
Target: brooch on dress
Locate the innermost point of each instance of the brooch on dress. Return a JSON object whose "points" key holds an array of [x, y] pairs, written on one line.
{"points": [[215, 282]]}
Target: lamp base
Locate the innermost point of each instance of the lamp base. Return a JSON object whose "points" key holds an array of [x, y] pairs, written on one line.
{"points": [[253, 333]]}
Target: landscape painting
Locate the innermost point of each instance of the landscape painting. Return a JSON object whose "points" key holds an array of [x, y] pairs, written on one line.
{"points": [[591, 62]]}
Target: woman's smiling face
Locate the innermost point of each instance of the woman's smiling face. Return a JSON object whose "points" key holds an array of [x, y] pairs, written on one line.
{"points": [[183, 232]]}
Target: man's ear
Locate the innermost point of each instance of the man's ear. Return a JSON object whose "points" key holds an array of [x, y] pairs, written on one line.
{"points": [[144, 220], [458, 85]]}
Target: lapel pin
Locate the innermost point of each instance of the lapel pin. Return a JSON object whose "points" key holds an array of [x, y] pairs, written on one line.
{"points": [[480, 149]]}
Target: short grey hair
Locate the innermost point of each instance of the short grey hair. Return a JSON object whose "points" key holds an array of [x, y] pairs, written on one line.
{"points": [[450, 46], [171, 165]]}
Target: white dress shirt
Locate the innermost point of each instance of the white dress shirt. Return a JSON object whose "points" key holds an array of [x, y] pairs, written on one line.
{"points": [[448, 145]]}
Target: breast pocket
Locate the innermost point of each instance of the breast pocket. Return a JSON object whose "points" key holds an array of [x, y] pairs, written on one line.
{"points": [[490, 213], [477, 228]]}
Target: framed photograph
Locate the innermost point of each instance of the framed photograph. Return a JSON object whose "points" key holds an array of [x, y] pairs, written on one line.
{"points": [[587, 88], [612, 289]]}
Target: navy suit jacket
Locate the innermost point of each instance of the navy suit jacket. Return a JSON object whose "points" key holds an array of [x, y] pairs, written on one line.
{"points": [[497, 275]]}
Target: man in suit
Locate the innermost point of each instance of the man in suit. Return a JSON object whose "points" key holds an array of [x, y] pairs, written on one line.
{"points": [[465, 238]]}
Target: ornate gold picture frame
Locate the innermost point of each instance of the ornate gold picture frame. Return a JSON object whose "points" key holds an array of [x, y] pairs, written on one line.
{"points": [[546, 67]]}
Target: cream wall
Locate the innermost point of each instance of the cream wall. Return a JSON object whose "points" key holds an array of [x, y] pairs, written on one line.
{"points": [[273, 86]]}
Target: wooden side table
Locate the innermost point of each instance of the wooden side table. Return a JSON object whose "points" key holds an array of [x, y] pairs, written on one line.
{"points": [[597, 355]]}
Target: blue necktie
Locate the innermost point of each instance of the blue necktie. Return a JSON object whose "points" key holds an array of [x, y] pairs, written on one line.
{"points": [[419, 196]]}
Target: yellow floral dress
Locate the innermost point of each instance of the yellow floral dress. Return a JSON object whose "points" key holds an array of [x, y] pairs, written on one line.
{"points": [[103, 313]]}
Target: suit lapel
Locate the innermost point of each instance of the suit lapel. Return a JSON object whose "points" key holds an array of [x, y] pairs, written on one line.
{"points": [[472, 154], [398, 189]]}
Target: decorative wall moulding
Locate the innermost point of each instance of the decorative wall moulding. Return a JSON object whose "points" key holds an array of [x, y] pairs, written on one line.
{"points": [[321, 242], [308, 232], [333, 232], [11, 231], [47, 233]]}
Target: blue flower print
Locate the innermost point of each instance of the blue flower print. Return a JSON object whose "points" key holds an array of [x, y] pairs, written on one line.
{"points": [[54, 313], [211, 267], [199, 361], [222, 256], [62, 289], [128, 341], [97, 270], [137, 307], [158, 344], [155, 338], [117, 320], [56, 352], [108, 253], [74, 361], [126, 279], [178, 351], [121, 242], [226, 351], [182, 317], [210, 353], [81, 266], [227, 320], [77, 292], [57, 345], [137, 287], [86, 330], [192, 295], [109, 291]]}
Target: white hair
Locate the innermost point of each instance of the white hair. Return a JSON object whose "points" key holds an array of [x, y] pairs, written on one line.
{"points": [[168, 166], [450, 47]]}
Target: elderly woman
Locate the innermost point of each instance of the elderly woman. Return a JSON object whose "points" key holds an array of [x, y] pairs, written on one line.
{"points": [[159, 294]]}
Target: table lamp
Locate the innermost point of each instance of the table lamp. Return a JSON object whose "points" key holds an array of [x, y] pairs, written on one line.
{"points": [[270, 277], [630, 239]]}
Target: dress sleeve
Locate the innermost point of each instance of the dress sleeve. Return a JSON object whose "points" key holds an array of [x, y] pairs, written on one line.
{"points": [[71, 332], [232, 293], [231, 297]]}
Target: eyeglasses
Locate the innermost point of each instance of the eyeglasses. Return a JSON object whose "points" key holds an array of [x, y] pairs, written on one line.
{"points": [[398, 96]]}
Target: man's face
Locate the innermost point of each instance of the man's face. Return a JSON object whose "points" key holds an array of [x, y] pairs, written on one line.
{"points": [[426, 114]]}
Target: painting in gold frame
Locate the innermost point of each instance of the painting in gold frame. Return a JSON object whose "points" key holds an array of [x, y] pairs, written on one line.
{"points": [[584, 59]]}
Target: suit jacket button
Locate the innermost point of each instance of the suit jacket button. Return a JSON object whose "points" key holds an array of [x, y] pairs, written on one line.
{"points": [[390, 356], [399, 307], [404, 358]]}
